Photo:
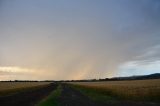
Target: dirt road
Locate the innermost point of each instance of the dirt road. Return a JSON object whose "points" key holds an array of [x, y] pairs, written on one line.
{"points": [[72, 97], [27, 98]]}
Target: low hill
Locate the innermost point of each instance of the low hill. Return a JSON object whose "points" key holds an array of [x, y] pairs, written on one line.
{"points": [[151, 76]]}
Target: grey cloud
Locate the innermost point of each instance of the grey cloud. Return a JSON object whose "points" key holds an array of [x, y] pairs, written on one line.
{"points": [[78, 40]]}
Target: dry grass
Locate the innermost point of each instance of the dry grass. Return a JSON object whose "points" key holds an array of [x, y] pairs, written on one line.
{"points": [[12, 87], [135, 89]]}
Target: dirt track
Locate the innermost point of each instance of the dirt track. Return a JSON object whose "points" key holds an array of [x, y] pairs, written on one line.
{"points": [[27, 98], [71, 97]]}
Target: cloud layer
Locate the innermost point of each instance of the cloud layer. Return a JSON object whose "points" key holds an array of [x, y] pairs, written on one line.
{"points": [[78, 39]]}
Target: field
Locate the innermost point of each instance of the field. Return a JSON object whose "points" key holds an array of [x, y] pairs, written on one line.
{"points": [[24, 93], [142, 90], [11, 87], [104, 93]]}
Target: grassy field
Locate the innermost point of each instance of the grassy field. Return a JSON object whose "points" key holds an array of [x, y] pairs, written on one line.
{"points": [[141, 90], [12, 87]]}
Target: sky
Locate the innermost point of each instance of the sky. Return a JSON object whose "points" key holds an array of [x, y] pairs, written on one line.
{"points": [[78, 39]]}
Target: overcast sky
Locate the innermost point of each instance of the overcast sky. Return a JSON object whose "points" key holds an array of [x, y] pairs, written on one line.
{"points": [[78, 39]]}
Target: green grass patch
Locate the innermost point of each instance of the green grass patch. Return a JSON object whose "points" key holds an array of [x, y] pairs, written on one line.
{"points": [[96, 94], [51, 100]]}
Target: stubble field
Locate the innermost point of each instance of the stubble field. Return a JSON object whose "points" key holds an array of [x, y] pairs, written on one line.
{"points": [[12, 87], [142, 90]]}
